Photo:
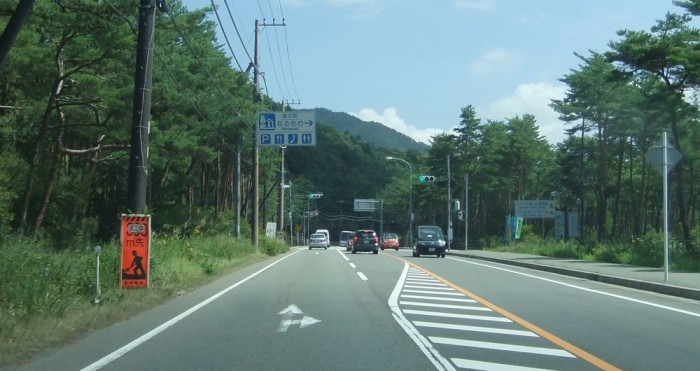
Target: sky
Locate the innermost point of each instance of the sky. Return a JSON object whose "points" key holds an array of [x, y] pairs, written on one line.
{"points": [[412, 65]]}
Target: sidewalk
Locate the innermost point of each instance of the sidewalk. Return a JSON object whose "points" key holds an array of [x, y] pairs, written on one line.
{"points": [[686, 285]]}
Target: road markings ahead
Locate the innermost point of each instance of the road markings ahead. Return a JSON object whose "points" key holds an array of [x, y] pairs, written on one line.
{"points": [[439, 317], [288, 318]]}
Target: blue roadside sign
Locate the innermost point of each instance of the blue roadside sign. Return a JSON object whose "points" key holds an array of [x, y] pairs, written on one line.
{"points": [[286, 128]]}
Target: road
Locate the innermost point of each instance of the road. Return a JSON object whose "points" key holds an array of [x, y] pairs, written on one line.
{"points": [[328, 309]]}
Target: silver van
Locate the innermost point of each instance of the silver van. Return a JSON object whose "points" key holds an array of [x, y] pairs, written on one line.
{"points": [[344, 237]]}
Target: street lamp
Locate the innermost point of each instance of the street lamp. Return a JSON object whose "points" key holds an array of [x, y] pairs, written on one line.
{"points": [[410, 197]]}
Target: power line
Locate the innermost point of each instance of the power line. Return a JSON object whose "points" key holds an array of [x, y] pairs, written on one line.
{"points": [[223, 31]]}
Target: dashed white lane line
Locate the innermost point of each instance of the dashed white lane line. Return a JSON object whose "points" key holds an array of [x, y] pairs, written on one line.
{"points": [[362, 276], [353, 266]]}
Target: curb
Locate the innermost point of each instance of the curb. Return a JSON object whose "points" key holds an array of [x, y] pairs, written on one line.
{"points": [[661, 288]]}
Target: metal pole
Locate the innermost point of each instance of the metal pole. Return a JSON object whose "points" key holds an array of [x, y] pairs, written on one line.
{"points": [[466, 212], [291, 221], [665, 171], [98, 289], [449, 206], [410, 197], [280, 227], [238, 190]]}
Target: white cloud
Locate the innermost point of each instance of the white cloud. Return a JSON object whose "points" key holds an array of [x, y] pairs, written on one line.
{"points": [[492, 60], [534, 99], [390, 118], [475, 4]]}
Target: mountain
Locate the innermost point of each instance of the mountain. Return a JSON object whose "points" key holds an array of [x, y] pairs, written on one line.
{"points": [[370, 131]]}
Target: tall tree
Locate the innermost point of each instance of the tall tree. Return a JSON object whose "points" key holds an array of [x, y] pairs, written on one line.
{"points": [[671, 52]]}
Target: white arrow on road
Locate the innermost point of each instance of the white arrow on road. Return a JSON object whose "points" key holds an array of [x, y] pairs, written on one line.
{"points": [[288, 320]]}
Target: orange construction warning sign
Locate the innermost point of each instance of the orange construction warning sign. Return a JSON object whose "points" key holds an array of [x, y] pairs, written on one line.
{"points": [[136, 243]]}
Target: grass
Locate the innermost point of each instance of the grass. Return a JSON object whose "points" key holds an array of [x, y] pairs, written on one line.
{"points": [[647, 251], [47, 297]]}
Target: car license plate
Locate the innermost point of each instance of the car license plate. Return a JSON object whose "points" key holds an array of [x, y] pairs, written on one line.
{"points": [[366, 241], [431, 249]]}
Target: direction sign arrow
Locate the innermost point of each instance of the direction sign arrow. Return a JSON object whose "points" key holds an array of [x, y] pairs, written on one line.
{"points": [[288, 320]]}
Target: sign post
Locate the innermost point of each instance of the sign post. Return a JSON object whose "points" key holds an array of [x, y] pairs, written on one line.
{"points": [[135, 256], [664, 156]]}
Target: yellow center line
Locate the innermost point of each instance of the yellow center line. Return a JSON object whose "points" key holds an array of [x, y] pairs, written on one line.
{"points": [[603, 365]]}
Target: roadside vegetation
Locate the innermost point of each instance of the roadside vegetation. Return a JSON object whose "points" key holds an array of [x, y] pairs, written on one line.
{"points": [[48, 297], [646, 251]]}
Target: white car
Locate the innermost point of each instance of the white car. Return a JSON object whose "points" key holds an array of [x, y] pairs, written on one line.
{"points": [[318, 240], [327, 234]]}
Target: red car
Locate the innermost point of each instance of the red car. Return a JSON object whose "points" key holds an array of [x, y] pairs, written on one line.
{"points": [[390, 241]]}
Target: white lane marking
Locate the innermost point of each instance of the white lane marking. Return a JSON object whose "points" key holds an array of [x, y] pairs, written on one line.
{"points": [[418, 274], [455, 315], [425, 280], [500, 346], [362, 276], [433, 292], [440, 362], [444, 306], [437, 298], [428, 287], [104, 361], [585, 289], [490, 330], [478, 365], [343, 255], [353, 266]]}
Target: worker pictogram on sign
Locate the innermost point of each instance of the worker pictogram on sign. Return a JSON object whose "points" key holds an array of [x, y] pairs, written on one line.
{"points": [[135, 241]]}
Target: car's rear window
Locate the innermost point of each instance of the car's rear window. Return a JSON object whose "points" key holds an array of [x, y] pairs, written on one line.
{"points": [[429, 233], [317, 235], [365, 234], [390, 235]]}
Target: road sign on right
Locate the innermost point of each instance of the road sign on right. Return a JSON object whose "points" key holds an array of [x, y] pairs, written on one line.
{"points": [[534, 208], [655, 156]]}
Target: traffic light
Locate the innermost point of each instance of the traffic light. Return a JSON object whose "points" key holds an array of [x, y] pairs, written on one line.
{"points": [[426, 178], [315, 195], [460, 215]]}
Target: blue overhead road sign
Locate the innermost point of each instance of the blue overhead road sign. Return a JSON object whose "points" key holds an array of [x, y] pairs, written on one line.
{"points": [[287, 128]]}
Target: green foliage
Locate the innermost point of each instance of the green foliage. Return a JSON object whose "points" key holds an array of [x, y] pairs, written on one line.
{"points": [[272, 246], [10, 167]]}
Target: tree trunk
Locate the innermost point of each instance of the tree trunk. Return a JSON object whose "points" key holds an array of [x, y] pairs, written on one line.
{"points": [[41, 138]]}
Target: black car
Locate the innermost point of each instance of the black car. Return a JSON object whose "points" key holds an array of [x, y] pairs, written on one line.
{"points": [[365, 240], [429, 240]]}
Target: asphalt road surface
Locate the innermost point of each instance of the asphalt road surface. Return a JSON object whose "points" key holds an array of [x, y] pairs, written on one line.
{"points": [[332, 310]]}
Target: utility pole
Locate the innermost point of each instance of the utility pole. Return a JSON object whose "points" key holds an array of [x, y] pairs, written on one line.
{"points": [[140, 124], [257, 98], [280, 211]]}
